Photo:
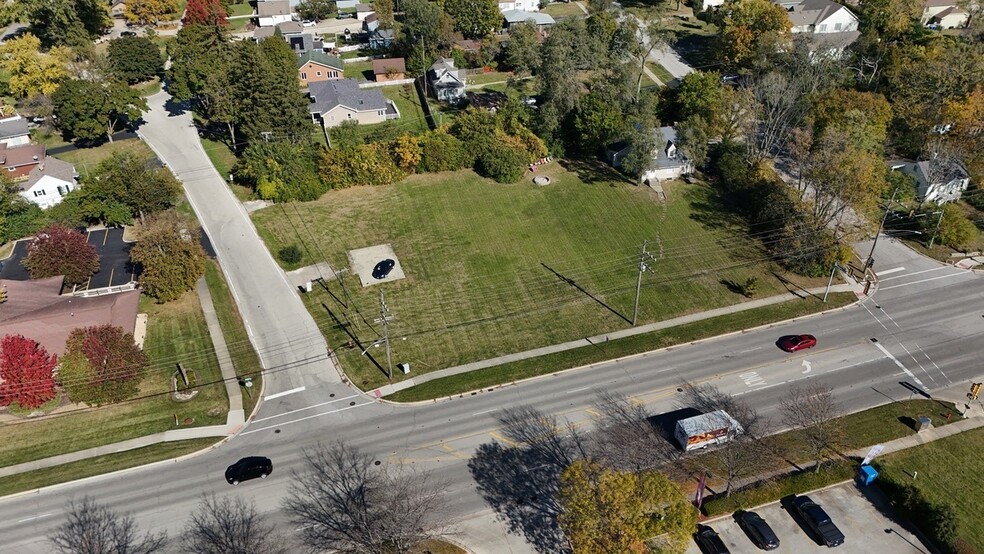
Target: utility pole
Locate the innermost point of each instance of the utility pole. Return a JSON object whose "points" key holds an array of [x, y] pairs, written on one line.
{"points": [[829, 282], [644, 256], [870, 261], [384, 318], [937, 230]]}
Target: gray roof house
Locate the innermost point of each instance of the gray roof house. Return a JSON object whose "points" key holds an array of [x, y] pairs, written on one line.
{"points": [[14, 131], [668, 162], [540, 19], [49, 182], [381, 38], [939, 181], [446, 82], [335, 102], [830, 26]]}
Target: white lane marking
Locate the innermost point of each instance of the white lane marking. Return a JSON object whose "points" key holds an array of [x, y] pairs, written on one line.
{"points": [[923, 281], [889, 271], [808, 367], [898, 363], [286, 423], [285, 393], [913, 273], [752, 379], [872, 314], [305, 408], [486, 411], [577, 390], [32, 518], [938, 368], [931, 378]]}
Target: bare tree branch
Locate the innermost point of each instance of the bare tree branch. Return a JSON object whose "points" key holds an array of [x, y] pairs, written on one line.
{"points": [[540, 432], [93, 528], [626, 438], [812, 408], [227, 526], [346, 502]]}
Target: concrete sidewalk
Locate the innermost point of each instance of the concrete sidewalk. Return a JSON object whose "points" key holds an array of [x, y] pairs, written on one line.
{"points": [[386, 390], [234, 420]]}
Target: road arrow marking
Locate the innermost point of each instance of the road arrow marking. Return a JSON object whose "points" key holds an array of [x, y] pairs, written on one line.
{"points": [[808, 367]]}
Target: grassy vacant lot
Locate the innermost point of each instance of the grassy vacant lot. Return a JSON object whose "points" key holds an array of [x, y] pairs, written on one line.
{"points": [[486, 78], [480, 259], [361, 71], [543, 365], [241, 351], [862, 429], [561, 9], [176, 332], [949, 470], [99, 465]]}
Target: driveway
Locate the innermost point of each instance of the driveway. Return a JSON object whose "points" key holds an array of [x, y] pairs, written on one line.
{"points": [[865, 526]]}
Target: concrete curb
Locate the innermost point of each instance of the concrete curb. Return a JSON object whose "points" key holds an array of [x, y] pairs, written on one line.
{"points": [[753, 508], [615, 360]]}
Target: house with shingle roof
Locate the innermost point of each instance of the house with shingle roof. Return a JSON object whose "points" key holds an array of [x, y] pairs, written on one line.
{"points": [[939, 180], [314, 66], [944, 14], [831, 26], [513, 17], [446, 81], [335, 102], [389, 69], [271, 12], [14, 131], [37, 310], [20, 160], [49, 182]]}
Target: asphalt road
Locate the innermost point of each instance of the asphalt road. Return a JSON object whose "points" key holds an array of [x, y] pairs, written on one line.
{"points": [[926, 319]]}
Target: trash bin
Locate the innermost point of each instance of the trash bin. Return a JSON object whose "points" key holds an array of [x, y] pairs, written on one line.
{"points": [[866, 476]]}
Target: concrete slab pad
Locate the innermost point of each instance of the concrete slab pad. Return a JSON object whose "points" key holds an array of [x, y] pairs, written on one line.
{"points": [[300, 277], [363, 260]]}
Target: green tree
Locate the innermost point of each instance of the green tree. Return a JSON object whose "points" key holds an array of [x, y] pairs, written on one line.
{"points": [[267, 97], [890, 19], [749, 27], [384, 13], [150, 12], [504, 160], [126, 185], [615, 511], [316, 10], [282, 170], [699, 94], [523, 48], [88, 111], [101, 365], [474, 18], [197, 52], [135, 59], [642, 141], [32, 72], [421, 23], [170, 255], [862, 116], [955, 229], [442, 151], [597, 122], [73, 23]]}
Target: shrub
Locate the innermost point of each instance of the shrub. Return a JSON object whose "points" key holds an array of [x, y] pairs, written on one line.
{"points": [[369, 164], [101, 365], [290, 254], [938, 520], [774, 489], [442, 152], [26, 377], [504, 160]]}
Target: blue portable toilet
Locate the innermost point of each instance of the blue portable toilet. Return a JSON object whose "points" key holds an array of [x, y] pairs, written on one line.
{"points": [[866, 475]]}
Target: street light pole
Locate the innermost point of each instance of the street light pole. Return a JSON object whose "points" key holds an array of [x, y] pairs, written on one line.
{"points": [[937, 230], [829, 282], [384, 318], [642, 269], [870, 261]]}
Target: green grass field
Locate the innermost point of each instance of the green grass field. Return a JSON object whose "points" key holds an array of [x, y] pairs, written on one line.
{"points": [[86, 159], [561, 9], [661, 73], [949, 470], [361, 71], [176, 332], [476, 255]]}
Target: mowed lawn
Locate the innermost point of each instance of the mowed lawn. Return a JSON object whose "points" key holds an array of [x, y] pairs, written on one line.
{"points": [[948, 471], [176, 332], [480, 259]]}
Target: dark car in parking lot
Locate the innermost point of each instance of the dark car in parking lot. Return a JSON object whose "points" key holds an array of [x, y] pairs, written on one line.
{"points": [[709, 541], [818, 521], [758, 530], [248, 468]]}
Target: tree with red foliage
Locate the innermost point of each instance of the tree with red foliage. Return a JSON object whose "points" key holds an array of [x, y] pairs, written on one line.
{"points": [[59, 250], [205, 12], [101, 365], [26, 372]]}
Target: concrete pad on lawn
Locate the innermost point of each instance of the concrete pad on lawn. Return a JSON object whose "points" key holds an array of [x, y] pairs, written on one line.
{"points": [[866, 528], [300, 277], [363, 260]]}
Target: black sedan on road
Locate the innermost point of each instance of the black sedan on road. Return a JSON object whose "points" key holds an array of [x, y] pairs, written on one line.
{"points": [[248, 468]]}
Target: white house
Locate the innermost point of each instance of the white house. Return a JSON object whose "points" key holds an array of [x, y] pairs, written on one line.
{"points": [[49, 182], [14, 131], [522, 5], [833, 27], [513, 17], [447, 83], [668, 162], [345, 4], [944, 14], [938, 181], [271, 12], [362, 11]]}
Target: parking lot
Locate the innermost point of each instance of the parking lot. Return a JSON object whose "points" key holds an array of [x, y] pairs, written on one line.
{"points": [[865, 527]]}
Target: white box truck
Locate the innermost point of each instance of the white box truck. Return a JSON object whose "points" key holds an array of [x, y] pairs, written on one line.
{"points": [[706, 429]]}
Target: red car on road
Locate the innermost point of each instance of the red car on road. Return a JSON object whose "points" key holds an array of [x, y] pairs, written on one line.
{"points": [[795, 343]]}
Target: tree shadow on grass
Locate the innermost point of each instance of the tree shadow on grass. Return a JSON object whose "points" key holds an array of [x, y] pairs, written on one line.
{"points": [[521, 485], [593, 171]]}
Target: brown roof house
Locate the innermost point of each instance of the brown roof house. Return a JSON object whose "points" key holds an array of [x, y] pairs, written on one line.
{"points": [[20, 160], [315, 66], [389, 69], [37, 310]]}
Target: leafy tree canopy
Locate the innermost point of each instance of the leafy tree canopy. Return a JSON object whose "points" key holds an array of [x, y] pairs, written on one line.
{"points": [[135, 59], [58, 250], [89, 111], [170, 255], [26, 377]]}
